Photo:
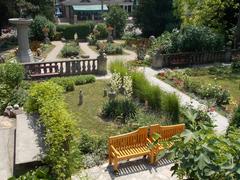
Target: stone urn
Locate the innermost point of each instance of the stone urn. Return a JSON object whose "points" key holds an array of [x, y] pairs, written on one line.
{"points": [[24, 52], [45, 31]]}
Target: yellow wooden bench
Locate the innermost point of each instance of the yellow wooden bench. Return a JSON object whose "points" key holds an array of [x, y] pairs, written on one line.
{"points": [[165, 132], [130, 145]]}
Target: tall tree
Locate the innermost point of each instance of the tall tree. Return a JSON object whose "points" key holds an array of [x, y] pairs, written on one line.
{"points": [[217, 14], [116, 18], [155, 16]]}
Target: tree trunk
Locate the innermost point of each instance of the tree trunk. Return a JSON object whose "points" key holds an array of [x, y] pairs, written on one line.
{"points": [[237, 32]]}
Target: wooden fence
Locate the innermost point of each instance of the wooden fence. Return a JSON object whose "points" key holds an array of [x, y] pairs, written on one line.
{"points": [[38, 70], [188, 59]]}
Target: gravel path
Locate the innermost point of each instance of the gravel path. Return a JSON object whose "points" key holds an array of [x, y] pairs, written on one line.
{"points": [[220, 121], [52, 56]]}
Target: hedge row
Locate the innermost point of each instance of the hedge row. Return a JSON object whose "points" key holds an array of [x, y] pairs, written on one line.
{"points": [[68, 82], [47, 100], [83, 30]]}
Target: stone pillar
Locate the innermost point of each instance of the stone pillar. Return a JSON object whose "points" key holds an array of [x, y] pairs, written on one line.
{"points": [[157, 61], [93, 17], [102, 64], [228, 55], [74, 19], [24, 52]]}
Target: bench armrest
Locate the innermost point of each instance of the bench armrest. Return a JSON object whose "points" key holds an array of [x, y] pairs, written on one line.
{"points": [[149, 141], [114, 150]]}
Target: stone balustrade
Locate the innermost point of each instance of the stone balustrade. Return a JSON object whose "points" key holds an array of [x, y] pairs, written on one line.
{"points": [[38, 70]]}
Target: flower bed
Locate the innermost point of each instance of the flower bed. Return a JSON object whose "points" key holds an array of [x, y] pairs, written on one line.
{"points": [[70, 49], [204, 83]]}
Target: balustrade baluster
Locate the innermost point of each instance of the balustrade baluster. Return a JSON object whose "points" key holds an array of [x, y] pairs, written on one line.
{"points": [[94, 66], [88, 66], [84, 67], [73, 67]]}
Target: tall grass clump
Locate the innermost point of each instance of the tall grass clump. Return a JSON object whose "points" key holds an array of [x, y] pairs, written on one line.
{"points": [[119, 67], [143, 89], [171, 107]]}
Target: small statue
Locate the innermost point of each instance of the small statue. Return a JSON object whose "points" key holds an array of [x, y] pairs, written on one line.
{"points": [[80, 98]]}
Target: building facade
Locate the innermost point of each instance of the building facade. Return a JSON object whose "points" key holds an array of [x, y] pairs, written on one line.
{"points": [[83, 10]]}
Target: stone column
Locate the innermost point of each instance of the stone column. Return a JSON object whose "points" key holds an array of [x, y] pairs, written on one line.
{"points": [[74, 19], [157, 61], [24, 52], [102, 64]]}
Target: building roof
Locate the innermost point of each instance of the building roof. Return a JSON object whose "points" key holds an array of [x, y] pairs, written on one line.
{"points": [[95, 2], [89, 7]]}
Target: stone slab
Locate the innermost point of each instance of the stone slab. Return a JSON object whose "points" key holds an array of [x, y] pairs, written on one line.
{"points": [[29, 146], [135, 169], [6, 152]]}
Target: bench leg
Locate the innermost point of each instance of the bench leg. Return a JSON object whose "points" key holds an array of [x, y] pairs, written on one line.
{"points": [[115, 164], [110, 160]]}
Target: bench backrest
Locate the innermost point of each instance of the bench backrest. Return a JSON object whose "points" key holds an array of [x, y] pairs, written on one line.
{"points": [[166, 132], [138, 137]]}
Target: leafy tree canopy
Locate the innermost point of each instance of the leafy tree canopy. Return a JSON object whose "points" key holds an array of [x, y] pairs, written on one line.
{"points": [[155, 16], [217, 14], [116, 18]]}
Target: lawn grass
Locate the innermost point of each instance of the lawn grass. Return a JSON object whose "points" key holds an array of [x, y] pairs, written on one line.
{"points": [[88, 114]]}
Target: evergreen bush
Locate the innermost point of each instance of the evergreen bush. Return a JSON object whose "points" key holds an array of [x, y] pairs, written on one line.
{"points": [[37, 26], [82, 30]]}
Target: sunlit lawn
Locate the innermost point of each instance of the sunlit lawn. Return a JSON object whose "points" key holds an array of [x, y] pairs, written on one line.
{"points": [[88, 114]]}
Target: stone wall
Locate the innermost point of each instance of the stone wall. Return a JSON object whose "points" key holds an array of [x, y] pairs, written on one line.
{"points": [[188, 59]]}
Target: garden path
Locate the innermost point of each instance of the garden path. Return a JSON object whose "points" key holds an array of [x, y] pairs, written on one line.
{"points": [[52, 56], [219, 121], [136, 169], [88, 51]]}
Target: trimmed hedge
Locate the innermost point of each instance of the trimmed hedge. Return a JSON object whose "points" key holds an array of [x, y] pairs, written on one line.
{"points": [[83, 30], [47, 100], [68, 82]]}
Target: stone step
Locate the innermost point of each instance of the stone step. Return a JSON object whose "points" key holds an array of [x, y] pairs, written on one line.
{"points": [[6, 152], [29, 144]]}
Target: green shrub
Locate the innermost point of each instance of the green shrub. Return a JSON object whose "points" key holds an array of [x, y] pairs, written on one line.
{"points": [[47, 100], [171, 107], [113, 49], [93, 149], [236, 118], [119, 67], [4, 97], [202, 154], [82, 30], [70, 49], [122, 109], [83, 79], [236, 66], [92, 40], [37, 26], [188, 39], [41, 172], [11, 74], [66, 83], [102, 29]]}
